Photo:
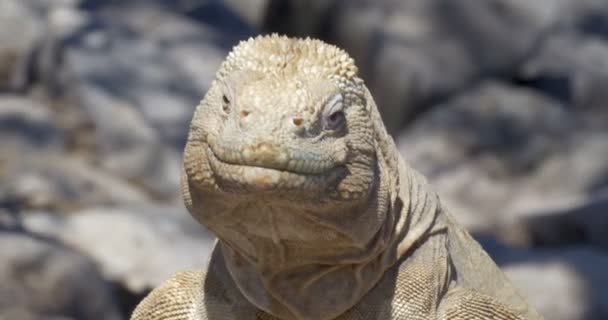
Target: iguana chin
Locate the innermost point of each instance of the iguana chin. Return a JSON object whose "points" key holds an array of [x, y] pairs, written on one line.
{"points": [[317, 216]]}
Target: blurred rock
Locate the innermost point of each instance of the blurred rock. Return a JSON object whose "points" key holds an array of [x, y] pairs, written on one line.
{"points": [[584, 224], [563, 284], [17, 313], [300, 18], [39, 24], [138, 247], [128, 147], [252, 11], [48, 181], [26, 125], [499, 152], [236, 19], [139, 72], [573, 68], [62, 19], [44, 280], [415, 53], [16, 52], [33, 172], [512, 126]]}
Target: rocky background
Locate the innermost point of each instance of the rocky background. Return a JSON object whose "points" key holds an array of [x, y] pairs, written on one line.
{"points": [[501, 103]]}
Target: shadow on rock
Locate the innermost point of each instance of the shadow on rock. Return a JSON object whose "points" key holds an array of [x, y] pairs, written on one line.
{"points": [[41, 278], [563, 284]]}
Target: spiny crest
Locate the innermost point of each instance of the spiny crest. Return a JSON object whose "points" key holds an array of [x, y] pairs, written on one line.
{"points": [[280, 55]]}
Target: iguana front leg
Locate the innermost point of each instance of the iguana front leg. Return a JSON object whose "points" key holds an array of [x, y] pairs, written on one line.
{"points": [[463, 304], [199, 295], [175, 299], [182, 298], [212, 295], [410, 291]]}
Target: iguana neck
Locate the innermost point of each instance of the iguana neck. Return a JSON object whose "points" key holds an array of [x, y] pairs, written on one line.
{"points": [[321, 279]]}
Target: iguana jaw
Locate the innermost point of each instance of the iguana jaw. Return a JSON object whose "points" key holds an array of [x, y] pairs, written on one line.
{"points": [[270, 170], [277, 157]]}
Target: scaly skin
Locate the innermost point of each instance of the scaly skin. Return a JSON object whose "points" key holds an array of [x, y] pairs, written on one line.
{"points": [[317, 216]]}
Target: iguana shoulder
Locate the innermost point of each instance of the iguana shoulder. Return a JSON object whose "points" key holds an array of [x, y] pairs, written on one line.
{"points": [[174, 299], [407, 291]]}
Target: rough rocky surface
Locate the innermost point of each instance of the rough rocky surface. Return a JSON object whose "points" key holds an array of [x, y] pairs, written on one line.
{"points": [[49, 181], [501, 104], [573, 278], [136, 75], [147, 244], [15, 52], [416, 52], [34, 268], [499, 151], [582, 223], [27, 125]]}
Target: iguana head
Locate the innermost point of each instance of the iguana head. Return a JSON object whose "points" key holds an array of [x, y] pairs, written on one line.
{"points": [[286, 163], [284, 119]]}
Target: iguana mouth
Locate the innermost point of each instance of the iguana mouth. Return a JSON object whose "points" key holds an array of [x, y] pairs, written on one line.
{"points": [[272, 157], [235, 172]]}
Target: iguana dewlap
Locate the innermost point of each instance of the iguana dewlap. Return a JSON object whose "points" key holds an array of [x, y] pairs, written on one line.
{"points": [[317, 215]]}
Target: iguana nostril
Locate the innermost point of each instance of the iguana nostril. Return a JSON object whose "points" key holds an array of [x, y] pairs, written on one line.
{"points": [[245, 113], [298, 121]]}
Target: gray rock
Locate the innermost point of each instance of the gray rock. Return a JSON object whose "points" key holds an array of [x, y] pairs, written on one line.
{"points": [[583, 224], [414, 53], [252, 11], [236, 19], [136, 247], [26, 125], [574, 68], [498, 153], [48, 181], [18, 313], [563, 284], [512, 126], [16, 52], [128, 146], [39, 24], [62, 20], [44, 280], [34, 174], [139, 73], [300, 18]]}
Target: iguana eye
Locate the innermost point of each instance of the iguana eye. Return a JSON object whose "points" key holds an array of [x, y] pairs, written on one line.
{"points": [[225, 103], [335, 120], [333, 115]]}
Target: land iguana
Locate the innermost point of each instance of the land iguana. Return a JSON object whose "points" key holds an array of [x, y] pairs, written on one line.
{"points": [[317, 215]]}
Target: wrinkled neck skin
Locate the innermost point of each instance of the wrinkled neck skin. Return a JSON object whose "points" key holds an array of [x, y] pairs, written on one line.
{"points": [[299, 263]]}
